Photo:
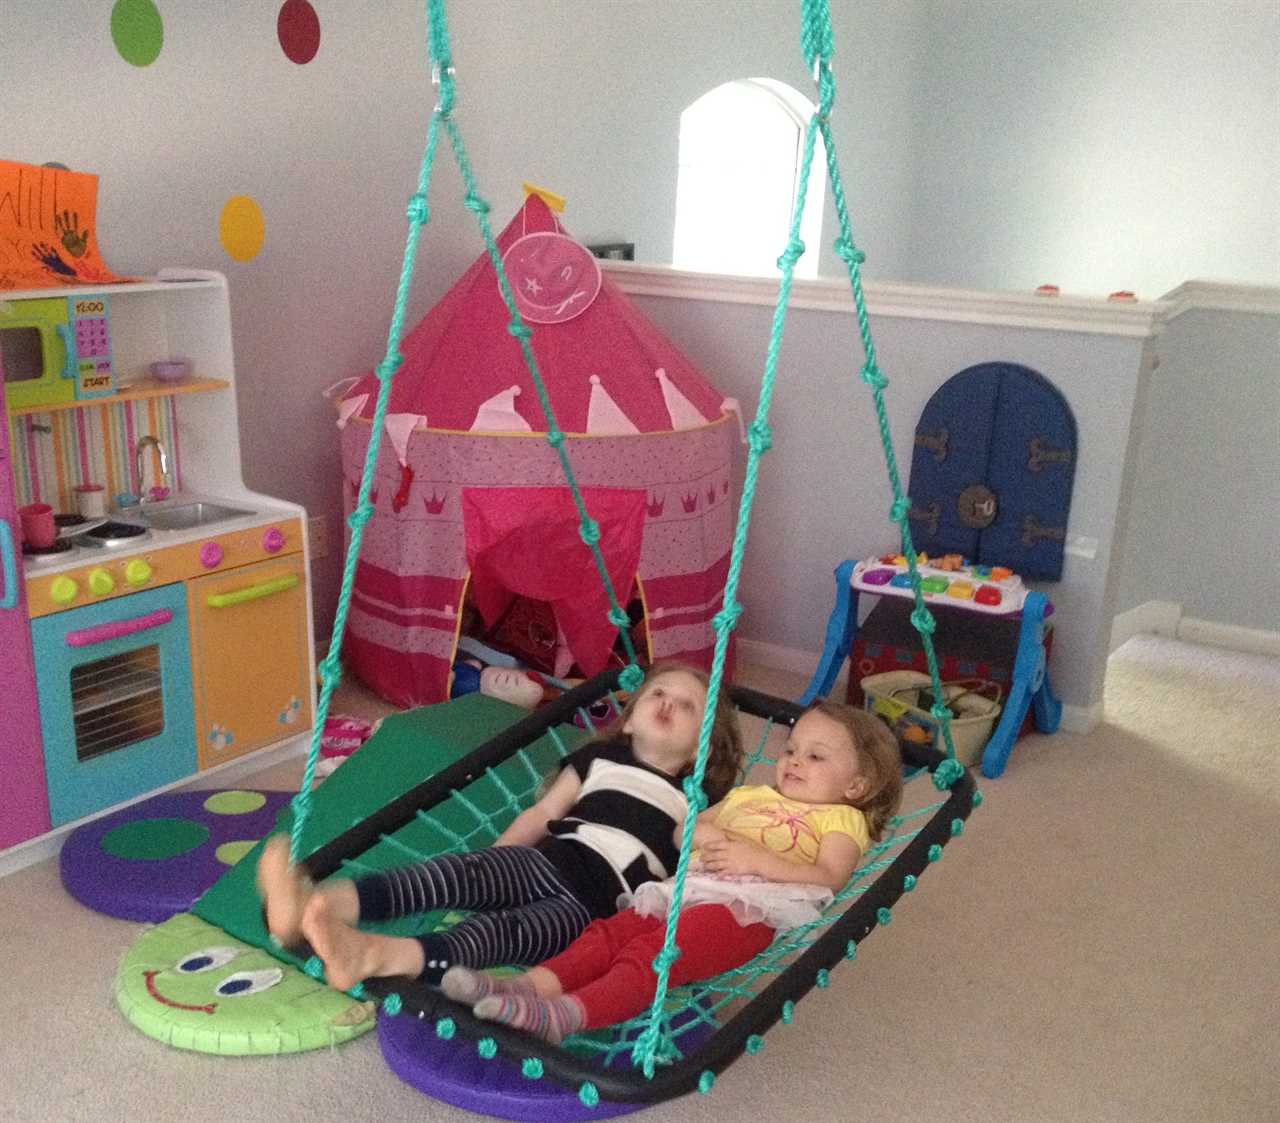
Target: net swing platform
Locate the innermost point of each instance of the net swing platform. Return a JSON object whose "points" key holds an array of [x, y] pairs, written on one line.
{"points": [[707, 1025]]}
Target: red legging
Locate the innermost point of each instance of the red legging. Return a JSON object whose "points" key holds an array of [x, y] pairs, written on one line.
{"points": [[609, 968]]}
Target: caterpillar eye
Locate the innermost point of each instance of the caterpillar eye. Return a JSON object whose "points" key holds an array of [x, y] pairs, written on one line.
{"points": [[206, 959], [244, 983]]}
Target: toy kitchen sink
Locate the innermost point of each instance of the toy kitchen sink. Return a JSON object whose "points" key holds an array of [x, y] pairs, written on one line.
{"points": [[167, 638]]}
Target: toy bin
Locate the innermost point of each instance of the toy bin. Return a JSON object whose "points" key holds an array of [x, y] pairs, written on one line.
{"points": [[904, 699]]}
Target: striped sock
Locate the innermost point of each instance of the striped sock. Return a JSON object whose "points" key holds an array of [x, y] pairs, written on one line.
{"points": [[464, 985], [552, 1019]]}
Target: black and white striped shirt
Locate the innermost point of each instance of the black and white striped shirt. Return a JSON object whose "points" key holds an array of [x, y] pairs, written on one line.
{"points": [[619, 833]]}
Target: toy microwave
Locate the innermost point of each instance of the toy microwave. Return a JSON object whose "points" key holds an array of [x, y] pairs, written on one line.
{"points": [[55, 349]]}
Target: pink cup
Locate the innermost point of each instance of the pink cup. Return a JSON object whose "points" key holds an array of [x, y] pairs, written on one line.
{"points": [[38, 527]]}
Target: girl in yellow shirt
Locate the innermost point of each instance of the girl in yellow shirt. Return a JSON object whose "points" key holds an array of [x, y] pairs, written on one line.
{"points": [[768, 857]]}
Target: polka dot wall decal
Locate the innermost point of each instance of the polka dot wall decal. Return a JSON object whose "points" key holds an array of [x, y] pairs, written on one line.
{"points": [[298, 29], [241, 229], [137, 31]]}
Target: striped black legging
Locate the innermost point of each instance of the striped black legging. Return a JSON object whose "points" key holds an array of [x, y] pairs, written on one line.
{"points": [[525, 911]]}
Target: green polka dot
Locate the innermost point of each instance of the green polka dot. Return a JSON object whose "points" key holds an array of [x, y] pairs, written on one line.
{"points": [[234, 803], [229, 853], [154, 840], [137, 31]]}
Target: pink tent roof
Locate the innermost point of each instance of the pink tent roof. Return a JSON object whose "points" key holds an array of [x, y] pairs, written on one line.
{"points": [[460, 356]]}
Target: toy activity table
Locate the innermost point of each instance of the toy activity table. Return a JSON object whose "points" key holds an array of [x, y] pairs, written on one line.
{"points": [[954, 583]]}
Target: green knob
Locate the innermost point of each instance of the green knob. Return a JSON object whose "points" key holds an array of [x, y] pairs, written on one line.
{"points": [[101, 582], [62, 590]]}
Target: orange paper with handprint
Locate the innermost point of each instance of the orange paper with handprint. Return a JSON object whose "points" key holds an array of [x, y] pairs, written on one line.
{"points": [[48, 219]]}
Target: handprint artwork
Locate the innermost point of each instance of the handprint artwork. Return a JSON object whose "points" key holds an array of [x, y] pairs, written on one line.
{"points": [[73, 241], [47, 236], [48, 257]]}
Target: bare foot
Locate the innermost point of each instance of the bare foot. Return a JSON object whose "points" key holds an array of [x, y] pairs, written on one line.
{"points": [[349, 955], [285, 890]]}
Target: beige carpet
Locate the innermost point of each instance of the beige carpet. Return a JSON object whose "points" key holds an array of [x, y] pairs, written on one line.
{"points": [[1101, 945]]}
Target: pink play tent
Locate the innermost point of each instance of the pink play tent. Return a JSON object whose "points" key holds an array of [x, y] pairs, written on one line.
{"points": [[470, 502]]}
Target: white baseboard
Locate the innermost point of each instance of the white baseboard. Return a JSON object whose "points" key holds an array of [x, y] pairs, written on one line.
{"points": [[1165, 618], [795, 660], [1080, 719], [1155, 617], [47, 845], [1251, 641], [778, 657]]}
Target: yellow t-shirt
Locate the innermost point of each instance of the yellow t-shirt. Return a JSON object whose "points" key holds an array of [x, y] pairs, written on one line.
{"points": [[791, 829]]}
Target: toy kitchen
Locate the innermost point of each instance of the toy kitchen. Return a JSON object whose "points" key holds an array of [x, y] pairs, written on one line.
{"points": [[155, 617]]}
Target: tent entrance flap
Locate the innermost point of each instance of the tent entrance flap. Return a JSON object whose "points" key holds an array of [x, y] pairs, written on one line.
{"points": [[526, 541]]}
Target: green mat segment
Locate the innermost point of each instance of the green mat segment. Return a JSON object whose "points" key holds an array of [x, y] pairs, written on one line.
{"points": [[191, 986], [154, 840], [407, 749]]}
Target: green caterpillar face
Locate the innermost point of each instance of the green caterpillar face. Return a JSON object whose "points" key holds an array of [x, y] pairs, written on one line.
{"points": [[191, 985]]}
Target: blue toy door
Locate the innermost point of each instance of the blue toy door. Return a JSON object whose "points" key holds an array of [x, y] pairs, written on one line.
{"points": [[992, 470]]}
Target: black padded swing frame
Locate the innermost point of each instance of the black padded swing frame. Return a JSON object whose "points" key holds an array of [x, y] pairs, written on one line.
{"points": [[730, 1040]]}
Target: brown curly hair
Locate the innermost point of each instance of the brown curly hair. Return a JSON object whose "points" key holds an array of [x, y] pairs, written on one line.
{"points": [[878, 760], [724, 754]]}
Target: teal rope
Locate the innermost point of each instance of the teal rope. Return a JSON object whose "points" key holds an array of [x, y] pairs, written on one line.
{"points": [[816, 45], [588, 528], [921, 618], [331, 668], [418, 214], [760, 440]]}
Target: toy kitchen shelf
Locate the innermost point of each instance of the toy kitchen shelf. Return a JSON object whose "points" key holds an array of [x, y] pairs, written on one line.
{"points": [[951, 583], [178, 313], [135, 392]]}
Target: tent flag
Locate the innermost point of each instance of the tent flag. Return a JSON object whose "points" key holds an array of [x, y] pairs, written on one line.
{"points": [[604, 415], [683, 413]]}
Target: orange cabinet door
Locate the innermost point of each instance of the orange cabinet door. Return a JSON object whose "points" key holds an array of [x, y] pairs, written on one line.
{"points": [[250, 671]]}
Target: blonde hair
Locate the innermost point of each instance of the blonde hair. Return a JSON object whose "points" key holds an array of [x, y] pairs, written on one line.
{"points": [[724, 753], [879, 762]]}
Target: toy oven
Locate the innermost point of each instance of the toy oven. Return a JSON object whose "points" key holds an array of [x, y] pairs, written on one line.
{"points": [[55, 349], [113, 681]]}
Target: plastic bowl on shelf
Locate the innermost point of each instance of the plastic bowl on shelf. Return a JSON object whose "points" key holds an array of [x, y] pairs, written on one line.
{"points": [[170, 370]]}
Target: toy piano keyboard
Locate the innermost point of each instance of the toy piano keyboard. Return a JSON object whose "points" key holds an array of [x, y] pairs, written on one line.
{"points": [[949, 580]]}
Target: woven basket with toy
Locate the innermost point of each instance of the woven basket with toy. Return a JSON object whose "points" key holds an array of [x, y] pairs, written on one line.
{"points": [[904, 699]]}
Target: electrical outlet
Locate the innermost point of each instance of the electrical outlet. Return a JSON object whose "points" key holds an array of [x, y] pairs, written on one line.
{"points": [[1081, 546], [318, 536]]}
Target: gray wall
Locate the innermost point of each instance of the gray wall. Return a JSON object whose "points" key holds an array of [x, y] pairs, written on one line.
{"points": [[1097, 146], [584, 97], [1205, 522], [823, 493]]}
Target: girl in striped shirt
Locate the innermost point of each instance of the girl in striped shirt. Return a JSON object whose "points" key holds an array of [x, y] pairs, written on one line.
{"points": [[610, 822]]}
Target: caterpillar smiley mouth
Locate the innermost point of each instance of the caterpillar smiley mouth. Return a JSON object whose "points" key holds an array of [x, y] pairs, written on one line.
{"points": [[150, 976]]}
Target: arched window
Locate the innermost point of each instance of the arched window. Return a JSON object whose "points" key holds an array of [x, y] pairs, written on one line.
{"points": [[740, 151]]}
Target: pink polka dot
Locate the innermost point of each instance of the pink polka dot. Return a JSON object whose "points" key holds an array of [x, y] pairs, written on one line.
{"points": [[298, 29]]}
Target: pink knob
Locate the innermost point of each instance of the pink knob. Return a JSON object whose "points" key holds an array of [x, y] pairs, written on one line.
{"points": [[210, 555], [273, 541]]}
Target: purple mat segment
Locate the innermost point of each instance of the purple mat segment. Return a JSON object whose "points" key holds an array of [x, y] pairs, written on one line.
{"points": [[453, 1071], [154, 859]]}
